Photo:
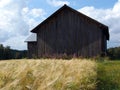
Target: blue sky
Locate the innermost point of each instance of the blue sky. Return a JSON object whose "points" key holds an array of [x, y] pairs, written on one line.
{"points": [[76, 4], [18, 17]]}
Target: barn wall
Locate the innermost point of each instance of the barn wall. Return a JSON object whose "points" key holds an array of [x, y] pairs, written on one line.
{"points": [[104, 44], [32, 49], [70, 33]]}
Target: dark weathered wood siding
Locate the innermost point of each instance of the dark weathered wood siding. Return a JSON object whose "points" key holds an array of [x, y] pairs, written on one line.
{"points": [[69, 33], [32, 49]]}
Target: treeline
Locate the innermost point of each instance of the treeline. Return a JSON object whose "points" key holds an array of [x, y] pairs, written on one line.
{"points": [[8, 53], [114, 53]]}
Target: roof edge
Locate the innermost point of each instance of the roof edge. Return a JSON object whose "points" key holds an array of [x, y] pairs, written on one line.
{"points": [[99, 24], [31, 38], [57, 11]]}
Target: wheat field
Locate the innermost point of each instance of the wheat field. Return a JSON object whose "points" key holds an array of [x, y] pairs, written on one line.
{"points": [[48, 74]]}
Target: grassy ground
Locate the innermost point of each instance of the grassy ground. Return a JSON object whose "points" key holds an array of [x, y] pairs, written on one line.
{"points": [[108, 75], [48, 75]]}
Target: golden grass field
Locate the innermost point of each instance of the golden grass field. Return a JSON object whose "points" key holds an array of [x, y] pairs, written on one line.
{"points": [[48, 74]]}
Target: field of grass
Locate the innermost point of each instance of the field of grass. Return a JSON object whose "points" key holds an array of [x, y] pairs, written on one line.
{"points": [[108, 75], [48, 75]]}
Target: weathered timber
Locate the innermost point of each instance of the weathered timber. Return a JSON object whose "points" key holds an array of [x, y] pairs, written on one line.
{"points": [[69, 32]]}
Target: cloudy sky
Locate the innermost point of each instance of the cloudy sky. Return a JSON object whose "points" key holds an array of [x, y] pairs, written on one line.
{"points": [[19, 17]]}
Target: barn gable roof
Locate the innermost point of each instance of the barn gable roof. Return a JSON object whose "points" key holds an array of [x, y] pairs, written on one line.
{"points": [[100, 25]]}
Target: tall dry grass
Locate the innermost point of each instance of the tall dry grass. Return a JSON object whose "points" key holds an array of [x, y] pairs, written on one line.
{"points": [[47, 74]]}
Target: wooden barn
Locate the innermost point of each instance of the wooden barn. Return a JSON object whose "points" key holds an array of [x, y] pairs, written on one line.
{"points": [[69, 32]]}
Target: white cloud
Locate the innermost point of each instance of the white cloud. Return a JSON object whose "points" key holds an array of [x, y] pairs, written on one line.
{"points": [[16, 21], [4, 3], [37, 12], [57, 3], [16, 42], [116, 8], [110, 17], [34, 16]]}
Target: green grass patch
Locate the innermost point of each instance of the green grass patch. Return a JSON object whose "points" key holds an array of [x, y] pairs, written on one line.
{"points": [[108, 75]]}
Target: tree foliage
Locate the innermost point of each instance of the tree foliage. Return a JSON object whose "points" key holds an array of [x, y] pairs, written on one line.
{"points": [[114, 53], [8, 53]]}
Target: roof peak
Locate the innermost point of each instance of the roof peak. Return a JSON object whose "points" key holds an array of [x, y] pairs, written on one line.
{"points": [[65, 5], [75, 11]]}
